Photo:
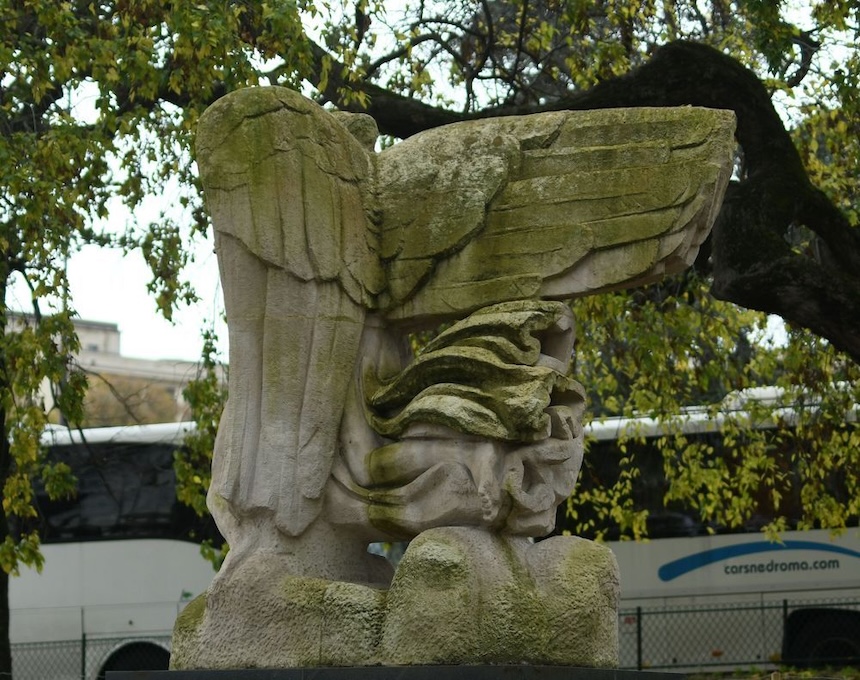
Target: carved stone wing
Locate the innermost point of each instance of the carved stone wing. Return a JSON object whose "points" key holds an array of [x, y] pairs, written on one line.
{"points": [[553, 205], [286, 179], [283, 181]]}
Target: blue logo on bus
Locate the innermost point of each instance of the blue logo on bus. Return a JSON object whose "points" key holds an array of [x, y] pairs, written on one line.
{"points": [[684, 565]]}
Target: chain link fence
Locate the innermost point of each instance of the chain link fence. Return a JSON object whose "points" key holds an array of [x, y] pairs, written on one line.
{"points": [[741, 635], [89, 658], [682, 638]]}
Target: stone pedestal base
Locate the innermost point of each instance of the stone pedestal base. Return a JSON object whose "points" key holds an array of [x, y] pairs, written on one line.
{"points": [[459, 596], [402, 673]]}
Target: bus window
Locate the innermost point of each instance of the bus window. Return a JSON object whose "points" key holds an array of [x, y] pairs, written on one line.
{"points": [[124, 491], [602, 469]]}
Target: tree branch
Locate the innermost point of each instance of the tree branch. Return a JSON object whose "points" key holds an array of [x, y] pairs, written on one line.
{"points": [[395, 114], [402, 51], [753, 262], [808, 49]]}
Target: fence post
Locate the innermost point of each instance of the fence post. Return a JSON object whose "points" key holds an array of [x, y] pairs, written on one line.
{"points": [[83, 647], [638, 638]]}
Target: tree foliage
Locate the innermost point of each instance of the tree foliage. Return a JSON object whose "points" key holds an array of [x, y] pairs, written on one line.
{"points": [[205, 395], [99, 101], [671, 346]]}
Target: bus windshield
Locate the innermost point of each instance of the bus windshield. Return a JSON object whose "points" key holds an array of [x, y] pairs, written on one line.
{"points": [[126, 487]]}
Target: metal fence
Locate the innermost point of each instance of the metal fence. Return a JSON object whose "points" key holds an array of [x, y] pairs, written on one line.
{"points": [[741, 635], [89, 658]]}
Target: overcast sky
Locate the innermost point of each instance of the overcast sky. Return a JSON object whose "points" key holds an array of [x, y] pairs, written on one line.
{"points": [[109, 287]]}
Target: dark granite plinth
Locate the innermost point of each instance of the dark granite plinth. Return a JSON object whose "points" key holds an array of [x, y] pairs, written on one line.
{"points": [[402, 673]]}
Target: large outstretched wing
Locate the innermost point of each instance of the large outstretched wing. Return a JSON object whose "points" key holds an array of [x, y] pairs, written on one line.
{"points": [[554, 206], [283, 181], [287, 180]]}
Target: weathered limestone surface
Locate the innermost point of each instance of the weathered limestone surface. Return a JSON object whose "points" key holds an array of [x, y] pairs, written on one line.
{"points": [[469, 596], [334, 435], [460, 595], [278, 620], [483, 424], [552, 205]]}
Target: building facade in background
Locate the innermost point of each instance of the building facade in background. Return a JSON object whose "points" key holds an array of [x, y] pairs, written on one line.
{"points": [[125, 390]]}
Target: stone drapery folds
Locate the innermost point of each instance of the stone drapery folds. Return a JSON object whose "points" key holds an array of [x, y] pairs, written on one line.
{"points": [[334, 435]]}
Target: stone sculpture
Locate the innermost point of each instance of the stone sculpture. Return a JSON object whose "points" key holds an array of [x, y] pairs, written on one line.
{"points": [[334, 436]]}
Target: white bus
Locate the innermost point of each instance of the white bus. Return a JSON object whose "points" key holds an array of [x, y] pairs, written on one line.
{"points": [[738, 600], [699, 598], [121, 559]]}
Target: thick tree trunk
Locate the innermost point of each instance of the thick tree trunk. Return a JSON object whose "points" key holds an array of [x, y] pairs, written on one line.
{"points": [[5, 467], [754, 263], [5, 646]]}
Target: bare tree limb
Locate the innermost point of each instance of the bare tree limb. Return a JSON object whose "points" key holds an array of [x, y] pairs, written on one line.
{"points": [[754, 265], [808, 49]]}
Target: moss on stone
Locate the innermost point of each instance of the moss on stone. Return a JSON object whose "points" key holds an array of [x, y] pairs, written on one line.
{"points": [[187, 633], [191, 617], [480, 377]]}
